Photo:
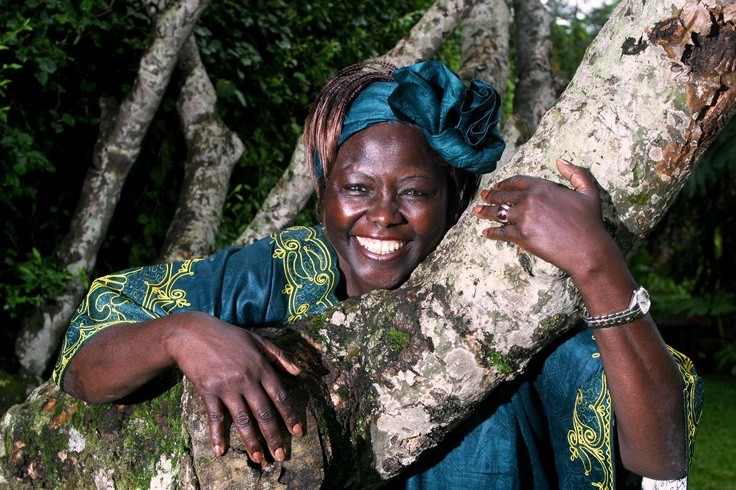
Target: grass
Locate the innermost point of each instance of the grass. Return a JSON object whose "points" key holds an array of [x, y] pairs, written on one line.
{"points": [[714, 459]]}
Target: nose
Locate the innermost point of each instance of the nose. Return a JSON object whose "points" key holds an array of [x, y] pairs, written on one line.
{"points": [[384, 211]]}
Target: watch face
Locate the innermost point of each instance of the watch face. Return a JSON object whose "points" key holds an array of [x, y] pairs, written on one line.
{"points": [[642, 298]]}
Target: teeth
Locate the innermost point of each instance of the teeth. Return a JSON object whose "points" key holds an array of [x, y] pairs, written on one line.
{"points": [[380, 247]]}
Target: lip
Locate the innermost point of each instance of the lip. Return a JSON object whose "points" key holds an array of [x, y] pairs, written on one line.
{"points": [[381, 248]]}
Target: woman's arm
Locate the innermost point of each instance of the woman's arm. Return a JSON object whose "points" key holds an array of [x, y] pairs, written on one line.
{"points": [[230, 367], [565, 228]]}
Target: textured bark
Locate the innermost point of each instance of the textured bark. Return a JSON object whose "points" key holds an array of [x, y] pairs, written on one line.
{"points": [[485, 34], [534, 92], [212, 152], [117, 148], [292, 192], [393, 371]]}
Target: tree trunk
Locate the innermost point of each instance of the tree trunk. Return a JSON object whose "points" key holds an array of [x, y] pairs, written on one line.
{"points": [[118, 145], [393, 371], [485, 49], [534, 89]]}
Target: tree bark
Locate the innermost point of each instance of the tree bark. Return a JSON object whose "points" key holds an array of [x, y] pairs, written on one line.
{"points": [[212, 152], [393, 371], [534, 92], [292, 192], [116, 150], [485, 35]]}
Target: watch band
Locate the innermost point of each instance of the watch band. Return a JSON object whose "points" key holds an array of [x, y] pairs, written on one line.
{"points": [[638, 308]]}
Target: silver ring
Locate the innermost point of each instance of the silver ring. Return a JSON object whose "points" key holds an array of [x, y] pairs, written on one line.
{"points": [[502, 214]]}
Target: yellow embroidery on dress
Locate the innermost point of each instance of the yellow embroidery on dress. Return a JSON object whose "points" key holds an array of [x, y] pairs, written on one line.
{"points": [[590, 437], [106, 302], [308, 268], [690, 379], [163, 295]]}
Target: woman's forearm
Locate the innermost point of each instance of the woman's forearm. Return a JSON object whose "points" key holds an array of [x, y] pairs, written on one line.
{"points": [[643, 378], [121, 359]]}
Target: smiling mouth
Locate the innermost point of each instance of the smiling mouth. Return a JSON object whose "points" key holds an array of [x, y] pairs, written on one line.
{"points": [[380, 247]]}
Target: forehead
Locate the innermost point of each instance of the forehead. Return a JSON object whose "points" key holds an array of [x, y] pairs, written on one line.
{"points": [[401, 147]]}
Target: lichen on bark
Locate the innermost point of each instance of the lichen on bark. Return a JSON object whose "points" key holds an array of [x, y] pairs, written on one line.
{"points": [[53, 440]]}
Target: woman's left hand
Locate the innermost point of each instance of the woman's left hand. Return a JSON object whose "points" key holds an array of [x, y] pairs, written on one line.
{"points": [[559, 225]]}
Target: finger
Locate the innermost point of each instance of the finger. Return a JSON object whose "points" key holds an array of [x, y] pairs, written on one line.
{"points": [[580, 179], [216, 419], [496, 196], [245, 426], [275, 389], [497, 213], [281, 400], [515, 183], [500, 233], [265, 417], [277, 356]]}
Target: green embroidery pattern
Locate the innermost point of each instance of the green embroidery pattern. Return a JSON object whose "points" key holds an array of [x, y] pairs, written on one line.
{"points": [[132, 296], [309, 268], [590, 437]]}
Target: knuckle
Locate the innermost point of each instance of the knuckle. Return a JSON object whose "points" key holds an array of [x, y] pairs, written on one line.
{"points": [[281, 397], [265, 414], [241, 419], [215, 416]]}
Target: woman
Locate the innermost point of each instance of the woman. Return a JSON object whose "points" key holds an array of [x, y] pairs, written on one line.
{"points": [[395, 158]]}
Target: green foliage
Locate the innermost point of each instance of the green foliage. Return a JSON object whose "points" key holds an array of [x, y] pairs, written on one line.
{"points": [[38, 277], [56, 59]]}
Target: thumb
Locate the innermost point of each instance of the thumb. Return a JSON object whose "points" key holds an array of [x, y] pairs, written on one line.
{"points": [[580, 178], [277, 356]]}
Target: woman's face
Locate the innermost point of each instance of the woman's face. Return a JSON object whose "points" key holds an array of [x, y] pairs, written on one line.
{"points": [[385, 205]]}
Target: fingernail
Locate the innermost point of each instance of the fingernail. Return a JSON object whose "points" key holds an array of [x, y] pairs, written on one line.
{"points": [[279, 454], [257, 457], [297, 430], [477, 209], [217, 450]]}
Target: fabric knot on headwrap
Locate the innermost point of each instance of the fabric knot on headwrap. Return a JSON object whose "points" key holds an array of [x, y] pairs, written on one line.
{"points": [[460, 123]]}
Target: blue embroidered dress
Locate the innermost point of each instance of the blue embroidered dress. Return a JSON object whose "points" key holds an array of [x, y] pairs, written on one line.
{"points": [[553, 428]]}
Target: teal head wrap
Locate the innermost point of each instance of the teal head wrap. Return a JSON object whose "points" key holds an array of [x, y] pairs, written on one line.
{"points": [[459, 122]]}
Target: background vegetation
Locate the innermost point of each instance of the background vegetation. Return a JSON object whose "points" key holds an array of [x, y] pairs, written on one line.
{"points": [[267, 60]]}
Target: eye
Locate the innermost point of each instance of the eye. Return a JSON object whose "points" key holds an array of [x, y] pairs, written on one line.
{"points": [[417, 193], [355, 188]]}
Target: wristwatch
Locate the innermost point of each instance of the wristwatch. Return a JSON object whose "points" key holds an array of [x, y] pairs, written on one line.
{"points": [[638, 307]]}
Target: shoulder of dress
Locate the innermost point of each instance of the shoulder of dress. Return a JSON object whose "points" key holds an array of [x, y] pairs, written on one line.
{"points": [[310, 269]]}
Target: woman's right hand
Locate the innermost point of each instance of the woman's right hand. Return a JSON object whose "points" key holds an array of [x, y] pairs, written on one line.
{"points": [[233, 370]]}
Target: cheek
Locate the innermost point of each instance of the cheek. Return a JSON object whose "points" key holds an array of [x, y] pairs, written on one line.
{"points": [[430, 222]]}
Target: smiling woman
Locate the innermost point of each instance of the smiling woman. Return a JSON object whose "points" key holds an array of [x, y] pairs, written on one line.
{"points": [[385, 206], [395, 155]]}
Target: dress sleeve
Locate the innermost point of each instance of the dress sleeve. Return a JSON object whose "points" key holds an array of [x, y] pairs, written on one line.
{"points": [[279, 279], [573, 390], [235, 285]]}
